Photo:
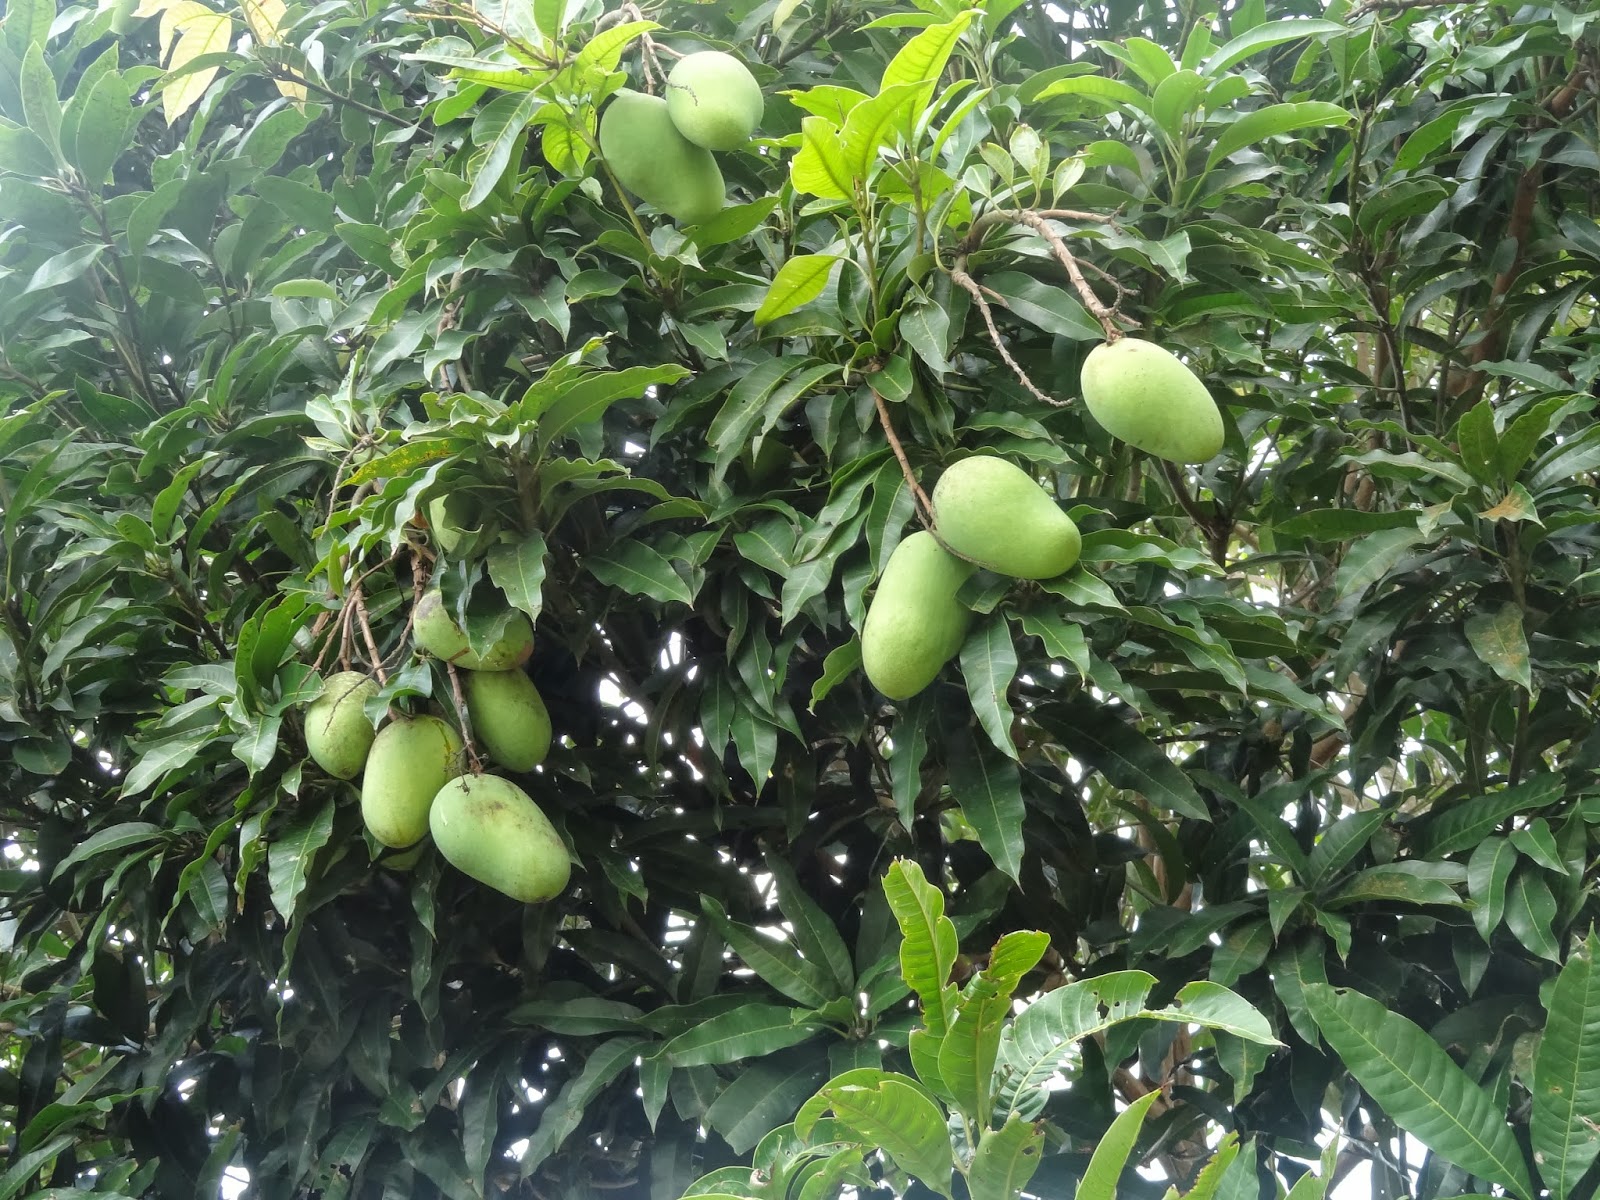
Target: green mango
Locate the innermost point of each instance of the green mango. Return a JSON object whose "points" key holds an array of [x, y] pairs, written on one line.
{"points": [[992, 512], [509, 718], [436, 631], [914, 624], [1145, 396], [657, 163], [714, 100], [490, 829], [412, 758], [338, 734]]}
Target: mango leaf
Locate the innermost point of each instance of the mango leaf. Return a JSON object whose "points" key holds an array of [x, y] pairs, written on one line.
{"points": [[291, 854], [929, 946], [1005, 1161], [778, 962], [640, 570], [989, 663], [1497, 638], [1487, 872], [900, 1120], [563, 1114], [988, 787], [749, 1031], [1566, 1075], [1419, 1086], [518, 571], [814, 933], [1264, 37], [1129, 760], [818, 167], [1110, 1157], [1465, 825], [200, 33], [1531, 913], [967, 1053], [799, 281], [922, 60], [1273, 120]]}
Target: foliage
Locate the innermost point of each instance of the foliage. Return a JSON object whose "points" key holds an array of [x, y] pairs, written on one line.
{"points": [[1305, 749]]}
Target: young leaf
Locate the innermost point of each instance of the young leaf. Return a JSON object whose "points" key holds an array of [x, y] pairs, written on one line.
{"points": [[1416, 1082], [799, 281], [928, 951]]}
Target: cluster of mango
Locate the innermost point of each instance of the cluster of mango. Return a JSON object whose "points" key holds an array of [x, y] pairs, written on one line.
{"points": [[990, 513], [413, 775], [660, 149]]}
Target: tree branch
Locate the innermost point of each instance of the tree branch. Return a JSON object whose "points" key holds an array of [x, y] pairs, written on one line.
{"points": [[924, 505]]}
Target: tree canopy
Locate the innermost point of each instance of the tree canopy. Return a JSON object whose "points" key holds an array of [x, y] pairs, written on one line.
{"points": [[1256, 846]]}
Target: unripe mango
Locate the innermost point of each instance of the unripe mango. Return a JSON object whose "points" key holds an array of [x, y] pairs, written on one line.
{"points": [[992, 512], [509, 718], [436, 631], [1148, 398], [714, 100], [338, 734], [657, 163], [490, 829], [915, 624], [412, 758]]}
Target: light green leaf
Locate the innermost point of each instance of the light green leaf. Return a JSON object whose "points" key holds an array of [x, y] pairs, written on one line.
{"points": [[1373, 557], [1006, 1160], [875, 122], [928, 951], [799, 281], [1416, 1082], [922, 60], [900, 1120], [1497, 638], [518, 571], [818, 167], [1566, 1075], [1264, 37], [1110, 1157], [1096, 87], [1273, 120]]}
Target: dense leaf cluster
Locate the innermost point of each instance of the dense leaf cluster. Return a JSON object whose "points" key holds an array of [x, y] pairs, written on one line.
{"points": [[1315, 721]]}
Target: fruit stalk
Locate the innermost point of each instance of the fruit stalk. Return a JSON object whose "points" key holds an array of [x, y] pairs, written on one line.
{"points": [[924, 505]]}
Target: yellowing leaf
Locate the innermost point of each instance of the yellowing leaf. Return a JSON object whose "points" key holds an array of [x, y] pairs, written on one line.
{"points": [[265, 19], [819, 167], [175, 16], [201, 34]]}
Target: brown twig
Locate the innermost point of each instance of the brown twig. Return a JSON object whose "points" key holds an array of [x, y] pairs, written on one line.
{"points": [[924, 505], [959, 276], [1106, 316], [1218, 545], [358, 599], [473, 761]]}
